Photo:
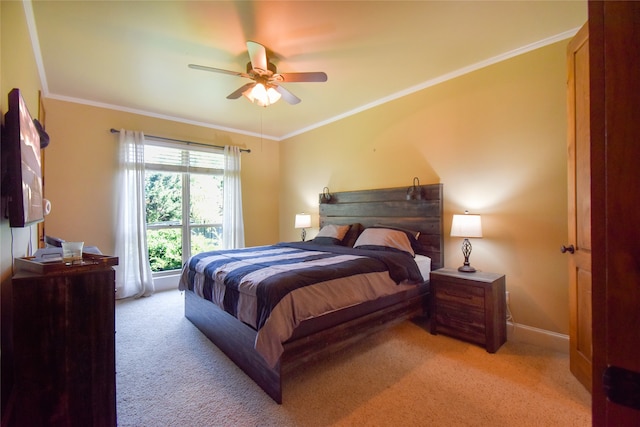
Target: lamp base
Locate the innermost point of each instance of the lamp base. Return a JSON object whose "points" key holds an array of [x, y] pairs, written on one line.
{"points": [[466, 269], [466, 251]]}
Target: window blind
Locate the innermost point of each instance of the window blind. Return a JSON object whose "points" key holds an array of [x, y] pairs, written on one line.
{"points": [[166, 157]]}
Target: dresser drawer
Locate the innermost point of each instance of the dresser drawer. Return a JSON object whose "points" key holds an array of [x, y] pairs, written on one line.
{"points": [[470, 296]]}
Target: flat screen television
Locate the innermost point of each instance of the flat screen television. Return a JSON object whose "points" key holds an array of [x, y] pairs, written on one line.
{"points": [[21, 165]]}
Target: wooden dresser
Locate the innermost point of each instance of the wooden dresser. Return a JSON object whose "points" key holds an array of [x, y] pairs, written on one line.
{"points": [[64, 347], [469, 306]]}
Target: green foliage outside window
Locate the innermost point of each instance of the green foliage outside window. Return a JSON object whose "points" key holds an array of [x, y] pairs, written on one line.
{"points": [[205, 239], [165, 249], [163, 193]]}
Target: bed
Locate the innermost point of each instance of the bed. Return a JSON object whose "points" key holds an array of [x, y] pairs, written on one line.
{"points": [[271, 309]]}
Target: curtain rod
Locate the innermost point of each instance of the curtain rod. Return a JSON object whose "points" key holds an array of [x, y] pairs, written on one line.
{"points": [[246, 150]]}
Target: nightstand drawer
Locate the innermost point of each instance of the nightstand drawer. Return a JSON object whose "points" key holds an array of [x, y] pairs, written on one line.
{"points": [[460, 317], [463, 331], [467, 295]]}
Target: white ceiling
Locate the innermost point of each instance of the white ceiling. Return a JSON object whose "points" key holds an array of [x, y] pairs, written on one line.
{"points": [[133, 55]]}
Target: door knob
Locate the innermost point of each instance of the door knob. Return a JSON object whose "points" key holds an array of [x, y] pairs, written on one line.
{"points": [[569, 249]]}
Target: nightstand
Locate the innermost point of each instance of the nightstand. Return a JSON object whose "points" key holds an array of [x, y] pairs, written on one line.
{"points": [[469, 306]]}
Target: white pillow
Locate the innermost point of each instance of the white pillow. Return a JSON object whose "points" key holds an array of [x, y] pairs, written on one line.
{"points": [[335, 231], [384, 238]]}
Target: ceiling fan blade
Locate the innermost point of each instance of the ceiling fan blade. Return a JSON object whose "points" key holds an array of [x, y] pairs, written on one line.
{"points": [[238, 93], [258, 55], [288, 96], [303, 77], [217, 70]]}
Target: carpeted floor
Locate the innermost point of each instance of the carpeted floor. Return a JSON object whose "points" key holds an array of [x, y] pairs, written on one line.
{"points": [[169, 374]]}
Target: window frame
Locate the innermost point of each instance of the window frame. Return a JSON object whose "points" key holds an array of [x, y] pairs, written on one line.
{"points": [[185, 169]]}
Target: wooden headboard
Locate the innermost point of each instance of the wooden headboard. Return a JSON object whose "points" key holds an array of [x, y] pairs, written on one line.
{"points": [[390, 206]]}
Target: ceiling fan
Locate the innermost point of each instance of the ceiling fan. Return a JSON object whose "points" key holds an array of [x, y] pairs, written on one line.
{"points": [[265, 88]]}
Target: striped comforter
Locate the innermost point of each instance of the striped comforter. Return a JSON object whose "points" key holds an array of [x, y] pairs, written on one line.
{"points": [[274, 288]]}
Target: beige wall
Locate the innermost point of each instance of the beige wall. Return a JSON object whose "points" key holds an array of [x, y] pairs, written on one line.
{"points": [[81, 164], [17, 70], [495, 138]]}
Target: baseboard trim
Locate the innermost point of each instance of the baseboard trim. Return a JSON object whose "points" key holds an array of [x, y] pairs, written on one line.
{"points": [[166, 283], [528, 334]]}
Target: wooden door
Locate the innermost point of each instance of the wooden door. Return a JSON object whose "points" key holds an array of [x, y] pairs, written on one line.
{"points": [[579, 210], [615, 151]]}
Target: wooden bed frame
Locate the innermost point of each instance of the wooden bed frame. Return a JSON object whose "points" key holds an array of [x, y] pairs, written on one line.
{"points": [[370, 207]]}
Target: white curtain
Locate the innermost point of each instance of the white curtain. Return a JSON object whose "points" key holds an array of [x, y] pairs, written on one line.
{"points": [[232, 221], [133, 273]]}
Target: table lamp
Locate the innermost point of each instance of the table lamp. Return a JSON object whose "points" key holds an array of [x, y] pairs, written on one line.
{"points": [[466, 226], [303, 221]]}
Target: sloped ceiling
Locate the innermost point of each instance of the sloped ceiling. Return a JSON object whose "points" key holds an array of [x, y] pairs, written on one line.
{"points": [[133, 55]]}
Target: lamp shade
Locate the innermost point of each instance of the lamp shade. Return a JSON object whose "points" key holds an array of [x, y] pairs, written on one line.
{"points": [[466, 226], [303, 221]]}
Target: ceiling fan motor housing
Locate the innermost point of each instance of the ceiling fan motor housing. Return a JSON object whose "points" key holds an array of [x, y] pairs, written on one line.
{"points": [[271, 67]]}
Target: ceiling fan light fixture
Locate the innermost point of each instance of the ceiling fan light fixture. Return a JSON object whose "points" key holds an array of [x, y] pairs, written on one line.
{"points": [[273, 95], [262, 96], [265, 90]]}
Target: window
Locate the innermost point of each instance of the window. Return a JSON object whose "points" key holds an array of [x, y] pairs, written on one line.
{"points": [[184, 202]]}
